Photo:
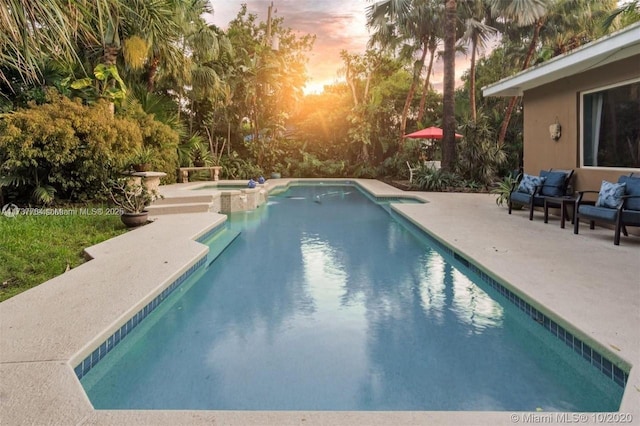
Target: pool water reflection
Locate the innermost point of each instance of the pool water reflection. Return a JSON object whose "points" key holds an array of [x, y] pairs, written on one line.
{"points": [[324, 302]]}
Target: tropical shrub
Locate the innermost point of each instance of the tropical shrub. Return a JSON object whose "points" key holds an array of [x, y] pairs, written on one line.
{"points": [[235, 167], [396, 165], [504, 188], [479, 157], [160, 137], [186, 147], [312, 167], [430, 179], [63, 148]]}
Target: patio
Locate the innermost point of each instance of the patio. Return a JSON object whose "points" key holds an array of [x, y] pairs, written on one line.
{"points": [[584, 280]]}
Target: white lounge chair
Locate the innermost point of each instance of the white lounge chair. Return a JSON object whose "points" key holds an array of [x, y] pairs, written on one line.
{"points": [[411, 170]]}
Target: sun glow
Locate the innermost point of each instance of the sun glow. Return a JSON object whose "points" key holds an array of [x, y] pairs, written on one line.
{"points": [[314, 88]]}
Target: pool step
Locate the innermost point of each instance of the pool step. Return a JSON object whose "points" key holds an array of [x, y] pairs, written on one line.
{"points": [[219, 243], [158, 209], [190, 199]]}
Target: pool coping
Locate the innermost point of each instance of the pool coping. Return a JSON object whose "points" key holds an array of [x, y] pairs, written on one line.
{"points": [[38, 354]]}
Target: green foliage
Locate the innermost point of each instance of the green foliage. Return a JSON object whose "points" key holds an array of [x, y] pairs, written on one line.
{"points": [[235, 167], [41, 193], [490, 69], [310, 166], [471, 185], [143, 155], [430, 179], [364, 171], [265, 84], [479, 157], [186, 147], [107, 85], [504, 188], [200, 155], [129, 195], [321, 122], [159, 137], [396, 165], [64, 146]]}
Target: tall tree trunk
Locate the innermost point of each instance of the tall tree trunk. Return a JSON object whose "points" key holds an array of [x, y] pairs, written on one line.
{"points": [[427, 83], [472, 78], [256, 130], [151, 76], [412, 90], [228, 138], [110, 54], [525, 65], [448, 109], [352, 86], [365, 153]]}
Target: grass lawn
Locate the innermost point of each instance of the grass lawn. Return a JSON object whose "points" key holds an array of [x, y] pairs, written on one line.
{"points": [[34, 249]]}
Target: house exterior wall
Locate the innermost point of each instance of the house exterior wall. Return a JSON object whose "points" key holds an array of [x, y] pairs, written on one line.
{"points": [[561, 100]]}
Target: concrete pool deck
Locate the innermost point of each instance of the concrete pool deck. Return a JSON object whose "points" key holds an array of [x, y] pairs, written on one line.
{"points": [[584, 280]]}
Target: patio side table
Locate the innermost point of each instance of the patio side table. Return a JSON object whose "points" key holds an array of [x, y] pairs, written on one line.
{"points": [[563, 203]]}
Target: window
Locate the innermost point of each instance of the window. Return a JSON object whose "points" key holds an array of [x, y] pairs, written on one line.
{"points": [[611, 126]]}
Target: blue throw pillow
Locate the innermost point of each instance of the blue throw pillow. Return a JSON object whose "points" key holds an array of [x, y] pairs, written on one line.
{"points": [[529, 183], [554, 183], [610, 195], [632, 188]]}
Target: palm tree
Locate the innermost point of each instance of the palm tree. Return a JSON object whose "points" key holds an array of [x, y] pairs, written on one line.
{"points": [[522, 13], [557, 27], [628, 12], [436, 34], [415, 26], [168, 51], [32, 32], [448, 98], [359, 71], [477, 33], [569, 26]]}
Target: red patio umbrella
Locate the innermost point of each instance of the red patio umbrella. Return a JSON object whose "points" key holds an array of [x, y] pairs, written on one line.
{"points": [[428, 133]]}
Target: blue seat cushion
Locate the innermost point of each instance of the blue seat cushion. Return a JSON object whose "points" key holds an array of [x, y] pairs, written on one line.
{"points": [[632, 188], [520, 197], [523, 198], [631, 217], [529, 183], [597, 213], [610, 194], [554, 183]]}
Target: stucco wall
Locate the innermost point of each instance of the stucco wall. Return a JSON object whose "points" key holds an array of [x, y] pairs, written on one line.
{"points": [[561, 99]]}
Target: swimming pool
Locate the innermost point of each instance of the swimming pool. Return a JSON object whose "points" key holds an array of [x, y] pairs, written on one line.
{"points": [[324, 301]]}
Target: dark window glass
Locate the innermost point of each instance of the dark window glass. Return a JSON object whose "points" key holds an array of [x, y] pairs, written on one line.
{"points": [[611, 127]]}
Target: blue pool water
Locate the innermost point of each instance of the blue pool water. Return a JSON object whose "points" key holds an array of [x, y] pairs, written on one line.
{"points": [[322, 301]]}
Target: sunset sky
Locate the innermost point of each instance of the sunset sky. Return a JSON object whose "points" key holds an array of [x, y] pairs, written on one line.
{"points": [[337, 24]]}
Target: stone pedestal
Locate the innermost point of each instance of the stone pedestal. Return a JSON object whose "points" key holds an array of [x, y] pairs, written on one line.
{"points": [[151, 180], [215, 172]]}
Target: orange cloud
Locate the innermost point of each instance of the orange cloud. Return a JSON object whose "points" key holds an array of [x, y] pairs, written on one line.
{"points": [[337, 25]]}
